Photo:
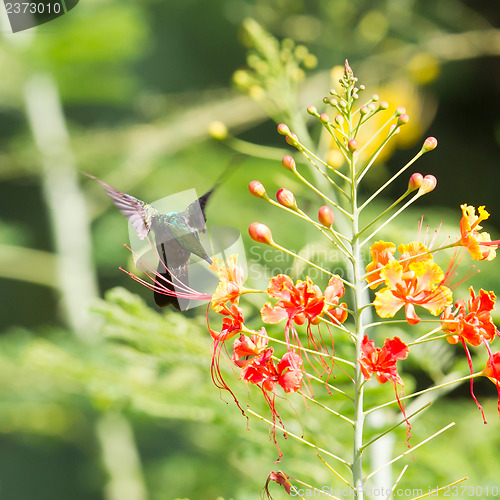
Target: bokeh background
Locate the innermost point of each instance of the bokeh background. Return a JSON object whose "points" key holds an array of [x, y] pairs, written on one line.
{"points": [[101, 395]]}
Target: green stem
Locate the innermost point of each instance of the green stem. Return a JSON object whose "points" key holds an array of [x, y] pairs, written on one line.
{"points": [[359, 330], [298, 438]]}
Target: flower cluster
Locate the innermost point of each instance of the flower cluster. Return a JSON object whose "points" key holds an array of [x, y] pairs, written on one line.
{"points": [[303, 321]]}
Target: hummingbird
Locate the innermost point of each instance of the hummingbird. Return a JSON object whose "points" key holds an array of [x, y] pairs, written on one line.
{"points": [[176, 238]]}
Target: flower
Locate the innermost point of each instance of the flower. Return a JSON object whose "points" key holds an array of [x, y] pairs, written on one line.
{"points": [[255, 358], [231, 325], [416, 286], [290, 372], [246, 347], [381, 361], [296, 302], [333, 292], [474, 326], [261, 370], [478, 244], [492, 368], [382, 252], [230, 286]]}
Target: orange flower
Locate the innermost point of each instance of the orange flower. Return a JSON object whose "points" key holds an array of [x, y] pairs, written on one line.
{"points": [[475, 326], [479, 244], [297, 303], [382, 253], [492, 368], [231, 283], [381, 361], [419, 285]]}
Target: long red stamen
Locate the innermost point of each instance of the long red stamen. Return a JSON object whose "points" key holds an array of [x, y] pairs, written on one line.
{"points": [[469, 360]]}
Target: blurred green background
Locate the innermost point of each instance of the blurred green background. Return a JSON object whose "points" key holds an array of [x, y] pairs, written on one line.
{"points": [[101, 395]]}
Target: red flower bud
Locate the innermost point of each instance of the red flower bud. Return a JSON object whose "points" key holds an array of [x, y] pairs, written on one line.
{"points": [[415, 181], [283, 129], [400, 111], [352, 145], [286, 198], [257, 189], [312, 110], [260, 233], [429, 144], [292, 139], [288, 162], [324, 118], [325, 216], [428, 184], [403, 119]]}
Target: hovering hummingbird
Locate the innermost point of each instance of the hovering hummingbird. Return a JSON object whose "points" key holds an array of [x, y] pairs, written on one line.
{"points": [[176, 238]]}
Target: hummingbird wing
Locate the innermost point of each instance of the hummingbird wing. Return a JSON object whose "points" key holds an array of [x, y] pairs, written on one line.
{"points": [[186, 235], [195, 212], [136, 211]]}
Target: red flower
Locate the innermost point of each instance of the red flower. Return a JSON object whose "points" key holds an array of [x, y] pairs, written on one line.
{"points": [[419, 285], [381, 361], [297, 303], [333, 292], [231, 325], [475, 326], [492, 368], [290, 372], [261, 370]]}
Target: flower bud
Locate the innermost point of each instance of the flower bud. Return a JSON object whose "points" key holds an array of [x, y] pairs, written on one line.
{"points": [[312, 110], [375, 98], [218, 130], [286, 198], [364, 110], [288, 162], [403, 119], [260, 233], [429, 144], [400, 111], [352, 145], [339, 120], [326, 100], [394, 129], [292, 139], [428, 184], [326, 216], [415, 181], [283, 129], [257, 189], [324, 118], [383, 105], [333, 102]]}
